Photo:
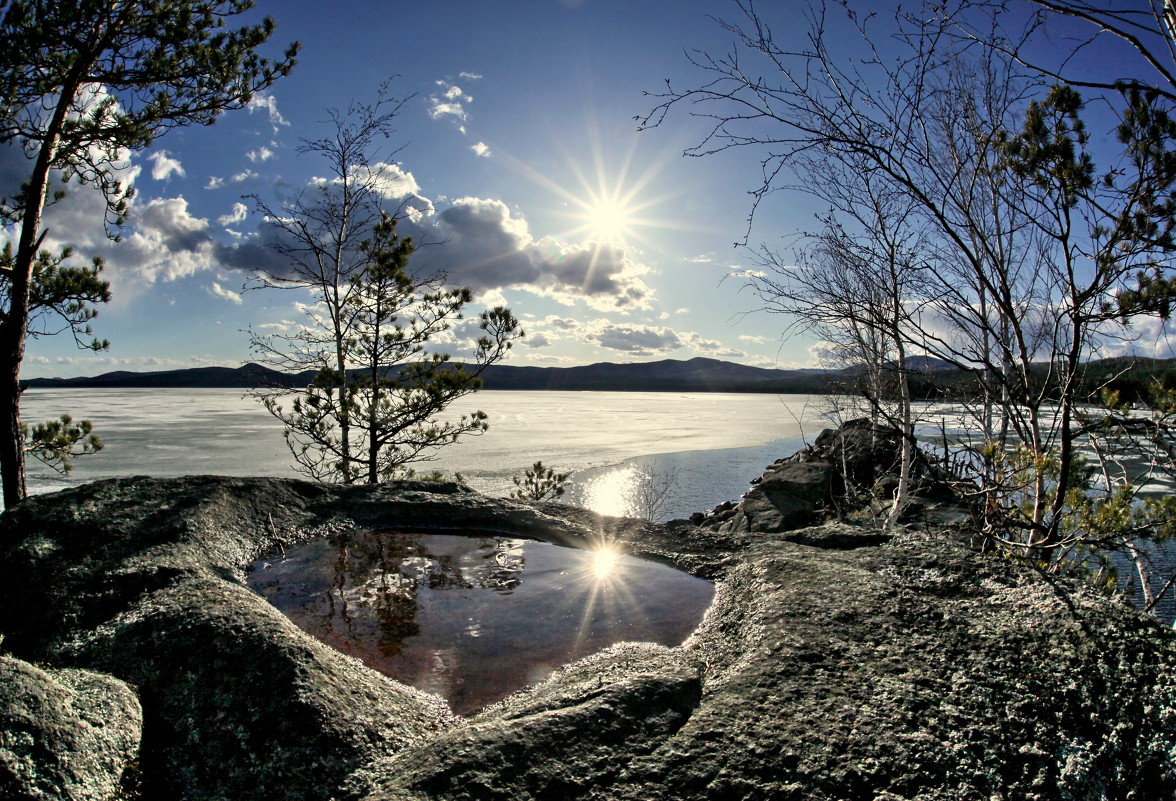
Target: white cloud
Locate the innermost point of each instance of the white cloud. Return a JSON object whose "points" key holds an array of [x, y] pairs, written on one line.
{"points": [[389, 180], [239, 178], [164, 166], [636, 338], [484, 245], [449, 103], [756, 339], [269, 104], [711, 347], [261, 154], [481, 149], [1148, 336], [472, 76], [480, 243], [238, 214], [439, 110], [167, 242], [493, 297], [702, 258], [227, 294]]}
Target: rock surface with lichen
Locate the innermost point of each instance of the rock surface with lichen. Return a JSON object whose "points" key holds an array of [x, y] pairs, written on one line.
{"points": [[834, 663], [65, 734]]}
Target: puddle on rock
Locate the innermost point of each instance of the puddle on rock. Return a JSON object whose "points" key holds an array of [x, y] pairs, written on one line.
{"points": [[475, 618]]}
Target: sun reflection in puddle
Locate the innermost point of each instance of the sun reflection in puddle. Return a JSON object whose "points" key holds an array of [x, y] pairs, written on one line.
{"points": [[475, 618], [604, 563]]}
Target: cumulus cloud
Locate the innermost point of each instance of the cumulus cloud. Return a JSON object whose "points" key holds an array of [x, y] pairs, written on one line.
{"points": [[267, 104], [390, 180], [492, 298], [449, 103], [481, 149], [711, 347], [636, 339], [221, 292], [645, 340], [163, 166], [475, 242], [439, 109], [166, 242], [239, 178], [1149, 336], [238, 214], [261, 154], [471, 76], [484, 245]]}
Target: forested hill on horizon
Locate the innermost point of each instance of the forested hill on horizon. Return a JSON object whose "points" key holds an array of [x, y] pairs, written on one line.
{"points": [[934, 379], [668, 375]]}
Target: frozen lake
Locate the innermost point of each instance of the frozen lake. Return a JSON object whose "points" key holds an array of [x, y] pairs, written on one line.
{"points": [[715, 443]]}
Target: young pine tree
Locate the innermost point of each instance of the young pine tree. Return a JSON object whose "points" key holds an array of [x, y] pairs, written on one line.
{"points": [[393, 391]]}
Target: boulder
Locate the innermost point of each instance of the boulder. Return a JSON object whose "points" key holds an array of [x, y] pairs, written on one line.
{"points": [[833, 664], [68, 735], [816, 482], [792, 496]]}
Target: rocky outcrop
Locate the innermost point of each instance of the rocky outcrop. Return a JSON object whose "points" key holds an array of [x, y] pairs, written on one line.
{"points": [[65, 734], [814, 483], [829, 666]]}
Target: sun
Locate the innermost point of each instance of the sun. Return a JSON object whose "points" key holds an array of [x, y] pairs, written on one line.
{"points": [[607, 220], [604, 563], [607, 202]]}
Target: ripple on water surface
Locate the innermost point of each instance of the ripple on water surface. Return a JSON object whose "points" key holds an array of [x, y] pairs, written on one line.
{"points": [[474, 618]]}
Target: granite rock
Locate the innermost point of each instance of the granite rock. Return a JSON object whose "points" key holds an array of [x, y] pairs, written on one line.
{"points": [[66, 734], [833, 664]]}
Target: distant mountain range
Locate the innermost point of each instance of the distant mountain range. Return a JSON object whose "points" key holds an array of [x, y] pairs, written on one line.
{"points": [[669, 375], [934, 379]]}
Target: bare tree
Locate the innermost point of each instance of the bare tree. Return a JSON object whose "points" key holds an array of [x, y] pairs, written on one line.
{"points": [[1028, 245], [858, 291], [1143, 30], [316, 237]]}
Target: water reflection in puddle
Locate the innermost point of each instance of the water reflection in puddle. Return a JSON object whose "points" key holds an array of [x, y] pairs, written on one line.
{"points": [[473, 619]]}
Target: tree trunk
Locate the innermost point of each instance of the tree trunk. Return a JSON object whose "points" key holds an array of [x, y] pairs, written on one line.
{"points": [[16, 321], [906, 416], [12, 467]]}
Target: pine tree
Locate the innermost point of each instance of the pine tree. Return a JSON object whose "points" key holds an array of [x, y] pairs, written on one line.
{"points": [[82, 83], [391, 391]]}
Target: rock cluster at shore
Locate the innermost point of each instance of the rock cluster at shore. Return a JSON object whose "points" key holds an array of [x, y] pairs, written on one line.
{"points": [[835, 663]]}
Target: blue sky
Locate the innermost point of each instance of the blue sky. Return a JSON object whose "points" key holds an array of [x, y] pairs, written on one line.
{"points": [[522, 122], [520, 147]]}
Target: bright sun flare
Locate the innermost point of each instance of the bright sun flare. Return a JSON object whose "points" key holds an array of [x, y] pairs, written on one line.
{"points": [[604, 561], [607, 220]]}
